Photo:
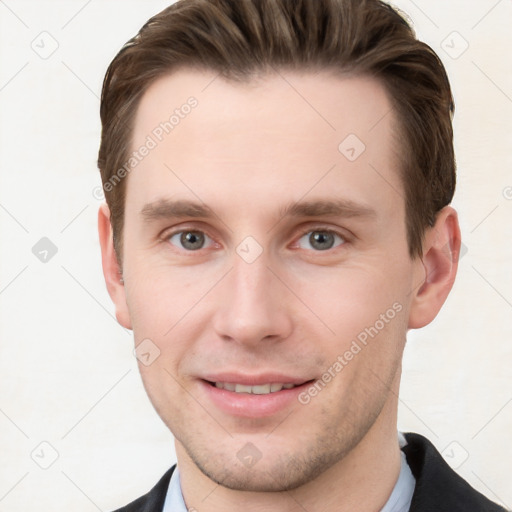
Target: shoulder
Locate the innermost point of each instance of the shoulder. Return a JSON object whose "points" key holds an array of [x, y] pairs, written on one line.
{"points": [[154, 500], [438, 487]]}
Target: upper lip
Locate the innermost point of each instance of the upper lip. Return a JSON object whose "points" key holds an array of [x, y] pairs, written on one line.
{"points": [[255, 380]]}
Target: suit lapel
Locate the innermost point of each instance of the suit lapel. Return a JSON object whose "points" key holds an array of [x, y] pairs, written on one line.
{"points": [[438, 487]]}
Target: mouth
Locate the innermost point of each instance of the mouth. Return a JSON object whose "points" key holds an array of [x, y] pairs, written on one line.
{"points": [[253, 400], [260, 389]]}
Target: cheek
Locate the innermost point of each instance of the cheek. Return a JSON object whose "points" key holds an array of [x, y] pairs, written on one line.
{"points": [[349, 299], [166, 306], [162, 294]]}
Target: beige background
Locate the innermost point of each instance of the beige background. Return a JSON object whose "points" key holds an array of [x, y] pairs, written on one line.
{"points": [[68, 375]]}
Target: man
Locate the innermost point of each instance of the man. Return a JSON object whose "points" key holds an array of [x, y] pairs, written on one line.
{"points": [[278, 176]]}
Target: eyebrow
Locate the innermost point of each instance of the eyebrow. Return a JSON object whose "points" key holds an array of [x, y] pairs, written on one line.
{"points": [[167, 209], [327, 208]]}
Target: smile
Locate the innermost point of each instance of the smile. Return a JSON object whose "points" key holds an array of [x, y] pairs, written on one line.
{"points": [[262, 389]]}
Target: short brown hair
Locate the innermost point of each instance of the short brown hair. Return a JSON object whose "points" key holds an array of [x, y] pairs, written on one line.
{"points": [[239, 38]]}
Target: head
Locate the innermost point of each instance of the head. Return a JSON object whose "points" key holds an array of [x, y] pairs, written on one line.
{"points": [[291, 222]]}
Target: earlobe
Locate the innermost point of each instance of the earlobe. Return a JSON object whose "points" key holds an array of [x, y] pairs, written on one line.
{"points": [[438, 268], [111, 270]]}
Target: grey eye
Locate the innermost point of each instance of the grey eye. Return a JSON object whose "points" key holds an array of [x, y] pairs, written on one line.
{"points": [[190, 240], [320, 240]]}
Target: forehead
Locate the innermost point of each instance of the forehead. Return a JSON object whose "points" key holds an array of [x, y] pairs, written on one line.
{"points": [[286, 129]]}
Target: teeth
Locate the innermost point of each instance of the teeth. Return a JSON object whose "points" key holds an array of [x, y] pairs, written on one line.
{"points": [[242, 388], [262, 389]]}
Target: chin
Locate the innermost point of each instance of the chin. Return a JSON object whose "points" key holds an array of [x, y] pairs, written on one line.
{"points": [[272, 473], [271, 478]]}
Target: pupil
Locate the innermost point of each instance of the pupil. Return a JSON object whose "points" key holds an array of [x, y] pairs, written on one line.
{"points": [[321, 240], [192, 240]]}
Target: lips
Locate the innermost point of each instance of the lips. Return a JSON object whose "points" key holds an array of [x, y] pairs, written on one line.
{"points": [[253, 396]]}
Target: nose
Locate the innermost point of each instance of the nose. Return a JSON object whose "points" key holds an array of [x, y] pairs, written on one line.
{"points": [[252, 306]]}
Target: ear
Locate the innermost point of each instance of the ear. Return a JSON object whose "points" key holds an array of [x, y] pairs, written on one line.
{"points": [[111, 270], [436, 269]]}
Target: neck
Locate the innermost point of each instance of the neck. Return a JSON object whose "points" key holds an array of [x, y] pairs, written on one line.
{"points": [[361, 482]]}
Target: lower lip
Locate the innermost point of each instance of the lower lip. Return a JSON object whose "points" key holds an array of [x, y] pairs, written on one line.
{"points": [[249, 405]]}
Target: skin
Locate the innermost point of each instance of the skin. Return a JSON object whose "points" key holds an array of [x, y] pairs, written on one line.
{"points": [[247, 151]]}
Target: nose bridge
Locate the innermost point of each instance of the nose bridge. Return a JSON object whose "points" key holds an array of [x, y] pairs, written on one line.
{"points": [[250, 277], [251, 308], [252, 292]]}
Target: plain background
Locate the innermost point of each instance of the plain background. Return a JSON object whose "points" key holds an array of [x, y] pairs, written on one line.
{"points": [[69, 379]]}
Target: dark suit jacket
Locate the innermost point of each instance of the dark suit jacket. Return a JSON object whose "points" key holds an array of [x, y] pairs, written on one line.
{"points": [[438, 487]]}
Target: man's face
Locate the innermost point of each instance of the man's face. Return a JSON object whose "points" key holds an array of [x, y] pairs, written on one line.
{"points": [[261, 243]]}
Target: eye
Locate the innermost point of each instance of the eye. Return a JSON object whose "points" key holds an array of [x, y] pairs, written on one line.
{"points": [[320, 240], [190, 240]]}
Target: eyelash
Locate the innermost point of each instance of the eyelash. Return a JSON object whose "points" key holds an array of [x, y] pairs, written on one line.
{"points": [[322, 229]]}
